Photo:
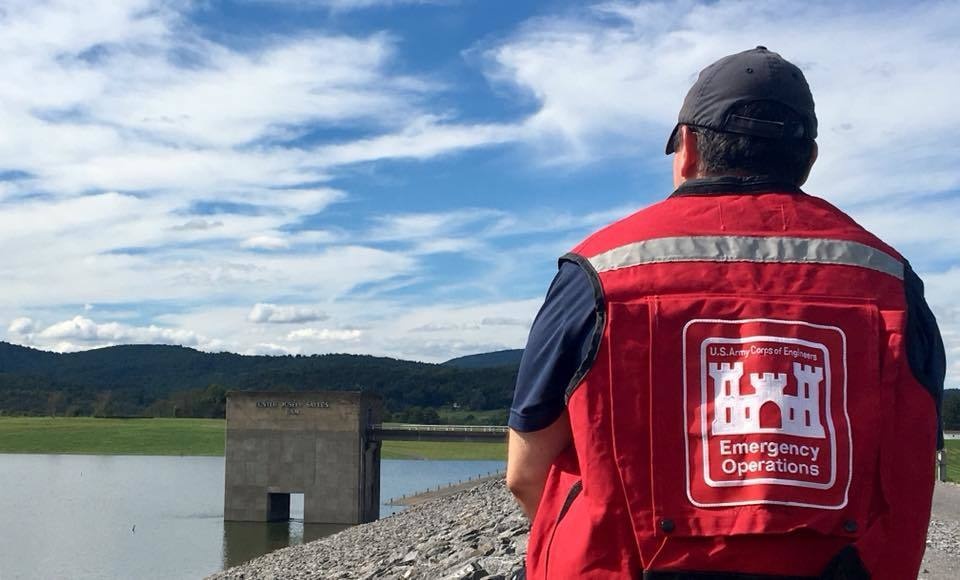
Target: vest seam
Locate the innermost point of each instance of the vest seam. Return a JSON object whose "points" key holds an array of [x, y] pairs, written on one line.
{"points": [[600, 322]]}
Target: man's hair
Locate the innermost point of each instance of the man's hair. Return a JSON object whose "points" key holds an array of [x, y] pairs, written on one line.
{"points": [[735, 154]]}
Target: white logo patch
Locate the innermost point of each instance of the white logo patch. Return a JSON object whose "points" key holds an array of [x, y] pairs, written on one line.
{"points": [[763, 400]]}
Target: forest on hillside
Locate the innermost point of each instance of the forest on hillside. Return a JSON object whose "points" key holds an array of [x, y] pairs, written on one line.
{"points": [[165, 381]]}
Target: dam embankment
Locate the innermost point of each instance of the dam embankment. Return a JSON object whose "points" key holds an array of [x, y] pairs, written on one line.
{"points": [[479, 533]]}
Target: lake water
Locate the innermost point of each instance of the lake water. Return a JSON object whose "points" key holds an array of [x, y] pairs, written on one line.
{"points": [[121, 517]]}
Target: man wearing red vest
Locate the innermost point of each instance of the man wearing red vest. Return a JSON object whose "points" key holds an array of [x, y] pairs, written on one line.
{"points": [[738, 382]]}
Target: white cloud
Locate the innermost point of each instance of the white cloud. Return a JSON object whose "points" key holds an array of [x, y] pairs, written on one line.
{"points": [[135, 128], [917, 227], [611, 78], [21, 326], [447, 246], [506, 321], [374, 326], [424, 138], [325, 335], [552, 220], [265, 242], [62, 251], [473, 325], [66, 334], [429, 226], [121, 91], [271, 313], [270, 349], [351, 5], [467, 229], [941, 293], [198, 224], [306, 80], [442, 327], [441, 331]]}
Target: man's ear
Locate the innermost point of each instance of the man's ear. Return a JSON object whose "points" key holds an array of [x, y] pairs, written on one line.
{"points": [[814, 151], [686, 160]]}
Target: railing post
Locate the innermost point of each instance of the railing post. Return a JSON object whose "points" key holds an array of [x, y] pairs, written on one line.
{"points": [[942, 464]]}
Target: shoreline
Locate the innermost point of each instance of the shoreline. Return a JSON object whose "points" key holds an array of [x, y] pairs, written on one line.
{"points": [[480, 533], [471, 534], [442, 491], [184, 437]]}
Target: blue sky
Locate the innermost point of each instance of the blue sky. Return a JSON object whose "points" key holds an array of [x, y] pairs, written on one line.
{"points": [[398, 177]]}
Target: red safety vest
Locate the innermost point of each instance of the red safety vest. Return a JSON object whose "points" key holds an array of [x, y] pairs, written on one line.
{"points": [[749, 409]]}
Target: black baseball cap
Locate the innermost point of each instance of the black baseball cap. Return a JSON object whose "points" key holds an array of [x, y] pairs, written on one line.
{"points": [[753, 75]]}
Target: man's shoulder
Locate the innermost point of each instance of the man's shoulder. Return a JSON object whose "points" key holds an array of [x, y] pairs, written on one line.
{"points": [[640, 223], [851, 228], [800, 215]]}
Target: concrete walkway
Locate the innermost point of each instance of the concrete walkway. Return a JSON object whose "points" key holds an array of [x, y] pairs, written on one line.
{"points": [[938, 562], [946, 502]]}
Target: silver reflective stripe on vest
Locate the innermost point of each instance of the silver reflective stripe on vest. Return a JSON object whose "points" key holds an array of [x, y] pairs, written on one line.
{"points": [[748, 249]]}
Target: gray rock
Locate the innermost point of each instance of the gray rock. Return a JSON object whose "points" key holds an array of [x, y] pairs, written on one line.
{"points": [[471, 571], [468, 536], [481, 534]]}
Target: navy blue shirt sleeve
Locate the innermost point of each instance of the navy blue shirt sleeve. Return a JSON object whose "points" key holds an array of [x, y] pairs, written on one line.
{"points": [[925, 351], [559, 343]]}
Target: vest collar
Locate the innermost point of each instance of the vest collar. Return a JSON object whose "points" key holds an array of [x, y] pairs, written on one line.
{"points": [[734, 185]]}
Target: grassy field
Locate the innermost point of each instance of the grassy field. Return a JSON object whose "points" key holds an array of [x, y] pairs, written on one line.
{"points": [[463, 417], [443, 450], [953, 460], [111, 436], [179, 437]]}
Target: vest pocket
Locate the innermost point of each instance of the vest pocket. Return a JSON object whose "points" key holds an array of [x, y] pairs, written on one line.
{"points": [[762, 415], [572, 495]]}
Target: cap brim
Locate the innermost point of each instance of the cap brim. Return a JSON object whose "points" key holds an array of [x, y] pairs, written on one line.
{"points": [[670, 141]]}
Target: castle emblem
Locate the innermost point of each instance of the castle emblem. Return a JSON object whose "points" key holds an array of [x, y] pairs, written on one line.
{"points": [[740, 414]]}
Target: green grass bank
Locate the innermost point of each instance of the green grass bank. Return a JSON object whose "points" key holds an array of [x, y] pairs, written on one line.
{"points": [[953, 460], [180, 437], [206, 437]]}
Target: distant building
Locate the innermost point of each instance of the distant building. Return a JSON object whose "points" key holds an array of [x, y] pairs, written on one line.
{"points": [[314, 443]]}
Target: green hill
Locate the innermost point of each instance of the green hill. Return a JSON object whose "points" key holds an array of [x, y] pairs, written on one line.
{"points": [[159, 380], [488, 359]]}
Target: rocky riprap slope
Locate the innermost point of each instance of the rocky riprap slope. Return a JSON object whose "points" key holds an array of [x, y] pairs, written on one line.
{"points": [[480, 534]]}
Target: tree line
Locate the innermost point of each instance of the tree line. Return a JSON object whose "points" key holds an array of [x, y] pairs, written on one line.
{"points": [[167, 381]]}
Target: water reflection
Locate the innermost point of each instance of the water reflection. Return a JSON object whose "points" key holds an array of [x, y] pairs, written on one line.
{"points": [[83, 517], [244, 541]]}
